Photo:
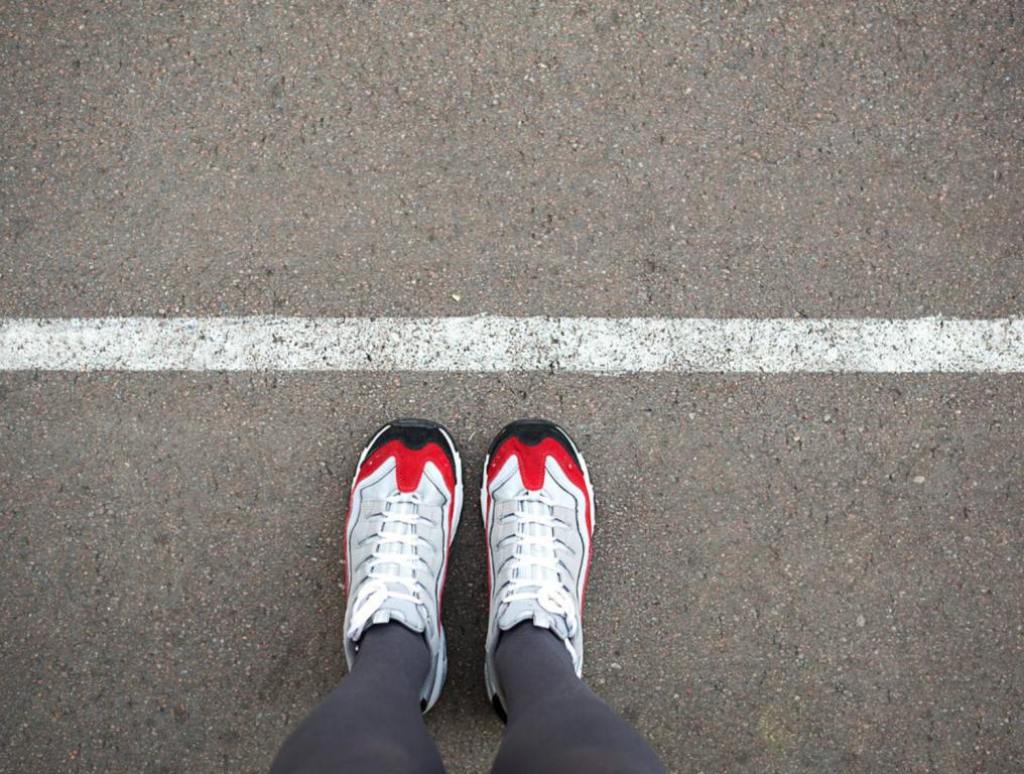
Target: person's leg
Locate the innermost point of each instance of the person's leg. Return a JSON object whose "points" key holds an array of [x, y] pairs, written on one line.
{"points": [[556, 723], [538, 509], [373, 720]]}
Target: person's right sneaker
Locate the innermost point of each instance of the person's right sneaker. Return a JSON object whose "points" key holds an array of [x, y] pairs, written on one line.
{"points": [[538, 511]]}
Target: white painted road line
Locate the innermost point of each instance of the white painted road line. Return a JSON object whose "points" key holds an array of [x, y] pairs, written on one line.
{"points": [[489, 343]]}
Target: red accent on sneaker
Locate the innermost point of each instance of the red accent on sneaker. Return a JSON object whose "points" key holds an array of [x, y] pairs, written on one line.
{"points": [[532, 462], [409, 464]]}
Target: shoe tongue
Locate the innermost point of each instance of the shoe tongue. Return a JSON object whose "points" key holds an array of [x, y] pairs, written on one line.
{"points": [[517, 611], [385, 609], [399, 610]]}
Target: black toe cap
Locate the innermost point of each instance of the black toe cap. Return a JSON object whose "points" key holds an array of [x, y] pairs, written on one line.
{"points": [[531, 432], [414, 434]]}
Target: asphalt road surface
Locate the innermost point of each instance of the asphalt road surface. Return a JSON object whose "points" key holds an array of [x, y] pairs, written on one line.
{"points": [[792, 572]]}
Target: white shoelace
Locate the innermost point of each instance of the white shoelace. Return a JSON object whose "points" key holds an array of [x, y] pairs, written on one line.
{"points": [[391, 565], [534, 576]]}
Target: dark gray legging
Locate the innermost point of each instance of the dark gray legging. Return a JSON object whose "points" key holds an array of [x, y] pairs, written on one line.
{"points": [[372, 722]]}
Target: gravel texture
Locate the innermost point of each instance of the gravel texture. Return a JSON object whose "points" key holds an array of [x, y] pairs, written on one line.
{"points": [[765, 159]]}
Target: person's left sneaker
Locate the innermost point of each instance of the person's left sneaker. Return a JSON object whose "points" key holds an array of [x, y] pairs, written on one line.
{"points": [[538, 510], [404, 509]]}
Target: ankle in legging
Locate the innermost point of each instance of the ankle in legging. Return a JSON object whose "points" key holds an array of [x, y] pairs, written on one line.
{"points": [[555, 722], [372, 722]]}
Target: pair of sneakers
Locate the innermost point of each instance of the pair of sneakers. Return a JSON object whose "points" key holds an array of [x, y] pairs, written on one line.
{"points": [[538, 511]]}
